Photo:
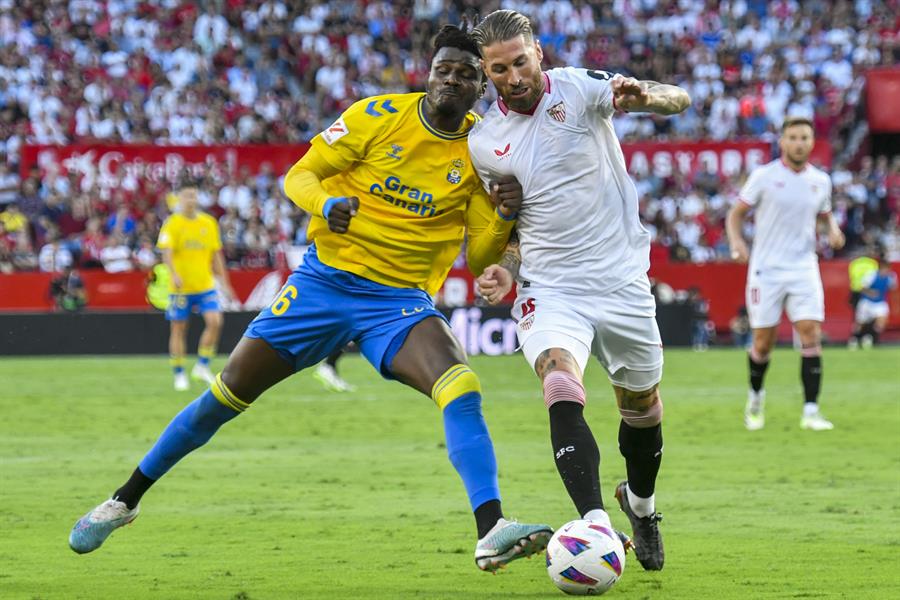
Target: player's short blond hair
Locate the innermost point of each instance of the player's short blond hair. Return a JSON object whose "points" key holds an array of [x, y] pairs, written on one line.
{"points": [[791, 121]]}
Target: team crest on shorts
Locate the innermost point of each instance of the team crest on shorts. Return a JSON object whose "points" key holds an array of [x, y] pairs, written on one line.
{"points": [[526, 323], [454, 173], [558, 112]]}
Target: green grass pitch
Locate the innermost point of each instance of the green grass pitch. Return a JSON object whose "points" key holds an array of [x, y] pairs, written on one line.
{"points": [[312, 494]]}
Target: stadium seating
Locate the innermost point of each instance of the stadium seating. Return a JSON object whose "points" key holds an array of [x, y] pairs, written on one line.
{"points": [[272, 72]]}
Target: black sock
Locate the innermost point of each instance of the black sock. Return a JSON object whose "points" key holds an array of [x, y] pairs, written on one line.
{"points": [[332, 359], [486, 516], [577, 455], [757, 372], [134, 488], [811, 375], [642, 449], [875, 335], [867, 329]]}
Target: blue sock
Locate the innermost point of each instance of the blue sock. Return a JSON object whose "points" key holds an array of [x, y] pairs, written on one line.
{"points": [[189, 430], [470, 448]]}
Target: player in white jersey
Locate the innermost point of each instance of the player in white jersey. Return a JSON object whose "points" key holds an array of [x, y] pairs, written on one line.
{"points": [[789, 197], [582, 281]]}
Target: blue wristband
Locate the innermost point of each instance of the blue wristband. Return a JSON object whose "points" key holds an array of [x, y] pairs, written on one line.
{"points": [[511, 217], [326, 208]]}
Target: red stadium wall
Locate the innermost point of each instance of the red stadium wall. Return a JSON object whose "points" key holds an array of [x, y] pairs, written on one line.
{"points": [[883, 84], [164, 163], [723, 285], [720, 283], [29, 292], [157, 163]]}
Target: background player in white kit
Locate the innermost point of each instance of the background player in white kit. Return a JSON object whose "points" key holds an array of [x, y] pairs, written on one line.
{"points": [[789, 197], [583, 287]]}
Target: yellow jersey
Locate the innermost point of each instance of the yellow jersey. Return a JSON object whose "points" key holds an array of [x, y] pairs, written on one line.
{"points": [[418, 195], [193, 242], [858, 269]]}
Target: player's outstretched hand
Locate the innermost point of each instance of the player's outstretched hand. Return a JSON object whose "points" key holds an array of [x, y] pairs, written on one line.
{"points": [[506, 194], [341, 212], [739, 252], [629, 93], [494, 284]]}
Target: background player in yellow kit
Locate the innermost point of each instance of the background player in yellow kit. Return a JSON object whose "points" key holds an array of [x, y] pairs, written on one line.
{"points": [[192, 250], [392, 193]]}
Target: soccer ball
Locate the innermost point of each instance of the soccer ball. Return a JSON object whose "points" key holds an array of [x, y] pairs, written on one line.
{"points": [[585, 558]]}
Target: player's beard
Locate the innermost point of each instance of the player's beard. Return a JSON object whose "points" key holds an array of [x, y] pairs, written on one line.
{"points": [[798, 159], [536, 85]]}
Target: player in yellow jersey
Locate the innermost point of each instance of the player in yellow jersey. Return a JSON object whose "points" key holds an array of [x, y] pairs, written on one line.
{"points": [[192, 251], [392, 193]]}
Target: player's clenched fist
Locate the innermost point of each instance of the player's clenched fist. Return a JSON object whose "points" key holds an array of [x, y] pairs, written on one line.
{"points": [[629, 93], [739, 252], [506, 194], [339, 211], [494, 284]]}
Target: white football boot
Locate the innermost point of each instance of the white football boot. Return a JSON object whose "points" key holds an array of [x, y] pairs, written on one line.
{"points": [[755, 410], [182, 384]]}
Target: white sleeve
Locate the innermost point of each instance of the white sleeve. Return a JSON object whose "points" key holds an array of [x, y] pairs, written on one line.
{"points": [[869, 279], [480, 169], [825, 207], [752, 191], [597, 89]]}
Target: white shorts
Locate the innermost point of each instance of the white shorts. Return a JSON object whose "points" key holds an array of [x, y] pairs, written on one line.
{"points": [[618, 328], [798, 292], [866, 310]]}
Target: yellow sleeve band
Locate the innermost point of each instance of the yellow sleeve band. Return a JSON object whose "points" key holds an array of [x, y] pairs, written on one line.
{"points": [[225, 396], [455, 382]]}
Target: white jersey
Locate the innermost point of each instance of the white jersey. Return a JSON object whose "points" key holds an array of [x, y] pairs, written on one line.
{"points": [[786, 204], [579, 226]]}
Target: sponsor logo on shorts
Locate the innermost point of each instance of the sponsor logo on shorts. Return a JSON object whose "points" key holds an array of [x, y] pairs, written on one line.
{"points": [[527, 306]]}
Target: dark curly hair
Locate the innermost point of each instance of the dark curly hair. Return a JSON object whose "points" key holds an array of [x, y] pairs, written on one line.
{"points": [[451, 36]]}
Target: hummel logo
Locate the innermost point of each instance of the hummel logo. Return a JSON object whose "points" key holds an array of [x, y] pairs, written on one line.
{"points": [[501, 153], [395, 151]]}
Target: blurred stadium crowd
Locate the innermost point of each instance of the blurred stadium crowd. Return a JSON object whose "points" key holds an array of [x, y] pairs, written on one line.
{"points": [[266, 71]]}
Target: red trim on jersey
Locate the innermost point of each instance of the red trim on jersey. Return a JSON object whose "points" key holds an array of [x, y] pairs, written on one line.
{"points": [[505, 109], [745, 202], [805, 166]]}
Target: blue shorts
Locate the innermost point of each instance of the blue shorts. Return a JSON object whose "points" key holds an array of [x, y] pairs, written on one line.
{"points": [[320, 309], [181, 305]]}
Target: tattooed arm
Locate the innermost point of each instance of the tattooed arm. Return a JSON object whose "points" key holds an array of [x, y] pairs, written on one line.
{"points": [[512, 258], [632, 95], [496, 281]]}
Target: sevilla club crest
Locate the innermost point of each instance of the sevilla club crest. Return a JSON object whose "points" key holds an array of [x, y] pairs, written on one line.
{"points": [[558, 112]]}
